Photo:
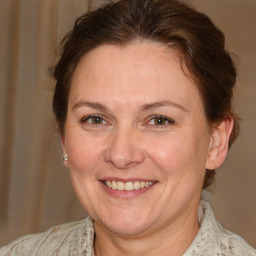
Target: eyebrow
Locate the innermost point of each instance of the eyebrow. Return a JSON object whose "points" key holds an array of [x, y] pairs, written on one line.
{"points": [[89, 104], [159, 104], [143, 108]]}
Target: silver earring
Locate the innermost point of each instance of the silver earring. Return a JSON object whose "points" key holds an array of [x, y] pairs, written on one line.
{"points": [[65, 157]]}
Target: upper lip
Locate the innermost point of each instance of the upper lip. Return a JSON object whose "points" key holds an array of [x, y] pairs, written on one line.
{"points": [[132, 179]]}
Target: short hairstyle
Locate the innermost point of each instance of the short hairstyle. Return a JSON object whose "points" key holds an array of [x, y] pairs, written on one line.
{"points": [[170, 22]]}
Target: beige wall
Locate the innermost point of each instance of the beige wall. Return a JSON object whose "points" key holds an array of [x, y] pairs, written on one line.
{"points": [[234, 199], [35, 191]]}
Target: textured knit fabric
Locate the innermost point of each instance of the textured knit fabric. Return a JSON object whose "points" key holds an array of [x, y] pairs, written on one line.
{"points": [[77, 238]]}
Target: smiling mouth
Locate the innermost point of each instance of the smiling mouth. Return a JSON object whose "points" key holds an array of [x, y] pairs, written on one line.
{"points": [[127, 186]]}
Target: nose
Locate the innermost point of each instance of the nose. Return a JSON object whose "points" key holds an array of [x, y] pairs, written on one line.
{"points": [[124, 149]]}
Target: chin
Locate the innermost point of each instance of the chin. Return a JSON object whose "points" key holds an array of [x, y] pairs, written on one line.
{"points": [[127, 228], [126, 224]]}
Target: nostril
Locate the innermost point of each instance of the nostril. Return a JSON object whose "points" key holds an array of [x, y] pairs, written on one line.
{"points": [[123, 151], [124, 161]]}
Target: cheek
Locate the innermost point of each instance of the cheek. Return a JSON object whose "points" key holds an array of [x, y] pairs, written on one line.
{"points": [[169, 151], [180, 154], [167, 156], [83, 153]]}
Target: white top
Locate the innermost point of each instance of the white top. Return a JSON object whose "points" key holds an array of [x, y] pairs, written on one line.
{"points": [[77, 238]]}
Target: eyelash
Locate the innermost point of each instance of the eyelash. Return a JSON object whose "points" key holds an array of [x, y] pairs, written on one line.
{"points": [[164, 118], [86, 118], [102, 119]]}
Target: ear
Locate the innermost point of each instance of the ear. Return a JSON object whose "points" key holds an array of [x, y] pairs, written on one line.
{"points": [[218, 147], [64, 150], [63, 141]]}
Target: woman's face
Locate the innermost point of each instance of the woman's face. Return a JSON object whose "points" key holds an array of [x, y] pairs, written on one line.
{"points": [[137, 138]]}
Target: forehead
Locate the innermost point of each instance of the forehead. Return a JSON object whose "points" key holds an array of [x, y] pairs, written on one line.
{"points": [[141, 70]]}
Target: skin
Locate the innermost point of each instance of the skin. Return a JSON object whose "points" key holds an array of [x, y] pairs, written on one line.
{"points": [[128, 86]]}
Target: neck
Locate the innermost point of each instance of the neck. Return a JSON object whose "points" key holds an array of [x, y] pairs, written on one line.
{"points": [[172, 240]]}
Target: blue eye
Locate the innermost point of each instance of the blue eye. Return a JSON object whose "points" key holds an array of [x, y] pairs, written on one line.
{"points": [[160, 121]]}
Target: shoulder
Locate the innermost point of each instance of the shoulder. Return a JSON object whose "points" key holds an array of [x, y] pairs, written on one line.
{"points": [[233, 244], [71, 238], [225, 242], [213, 240]]}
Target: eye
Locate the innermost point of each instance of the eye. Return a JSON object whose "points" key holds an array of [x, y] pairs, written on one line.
{"points": [[160, 120], [93, 119]]}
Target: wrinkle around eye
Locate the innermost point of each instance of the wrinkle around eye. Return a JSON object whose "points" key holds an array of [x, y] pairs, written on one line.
{"points": [[94, 119], [94, 122], [160, 121]]}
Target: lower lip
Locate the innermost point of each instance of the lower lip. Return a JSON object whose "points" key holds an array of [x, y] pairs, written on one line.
{"points": [[126, 194]]}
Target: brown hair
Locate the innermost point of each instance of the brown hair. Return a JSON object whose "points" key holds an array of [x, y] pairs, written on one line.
{"points": [[170, 22]]}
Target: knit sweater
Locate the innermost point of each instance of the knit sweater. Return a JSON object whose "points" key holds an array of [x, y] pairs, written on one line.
{"points": [[77, 238]]}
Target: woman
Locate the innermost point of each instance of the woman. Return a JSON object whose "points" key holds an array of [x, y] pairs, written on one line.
{"points": [[143, 101]]}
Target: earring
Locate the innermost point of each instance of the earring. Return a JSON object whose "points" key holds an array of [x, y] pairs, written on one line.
{"points": [[65, 157]]}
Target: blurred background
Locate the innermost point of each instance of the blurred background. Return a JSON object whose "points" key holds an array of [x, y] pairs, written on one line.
{"points": [[35, 190]]}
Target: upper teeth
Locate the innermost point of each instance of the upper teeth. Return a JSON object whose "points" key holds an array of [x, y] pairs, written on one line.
{"points": [[119, 185]]}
